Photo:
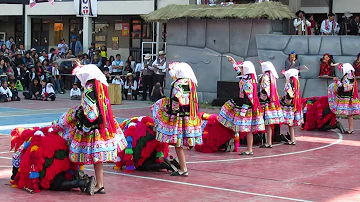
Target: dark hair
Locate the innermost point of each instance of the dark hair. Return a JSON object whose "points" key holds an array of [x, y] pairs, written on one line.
{"points": [[3, 81], [12, 82], [331, 14], [358, 55], [118, 55]]}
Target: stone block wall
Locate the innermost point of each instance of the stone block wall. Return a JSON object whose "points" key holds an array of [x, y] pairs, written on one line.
{"points": [[197, 41], [310, 50]]}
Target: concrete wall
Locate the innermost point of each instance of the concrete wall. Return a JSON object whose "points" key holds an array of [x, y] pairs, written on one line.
{"points": [[310, 50], [194, 41]]}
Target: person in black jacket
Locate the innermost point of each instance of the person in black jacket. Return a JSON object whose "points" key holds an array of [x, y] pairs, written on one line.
{"points": [[354, 26], [14, 91], [35, 89]]}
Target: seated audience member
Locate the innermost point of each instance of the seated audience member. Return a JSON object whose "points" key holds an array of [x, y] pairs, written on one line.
{"points": [[130, 86], [14, 91], [119, 81], [29, 76], [47, 93], [107, 75], [157, 92], [75, 93], [5, 92], [34, 90]]}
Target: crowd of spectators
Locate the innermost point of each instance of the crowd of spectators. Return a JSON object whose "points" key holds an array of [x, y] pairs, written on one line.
{"points": [[42, 74]]}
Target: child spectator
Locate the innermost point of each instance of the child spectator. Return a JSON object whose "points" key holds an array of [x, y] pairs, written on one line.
{"points": [[130, 87], [14, 91], [119, 81], [157, 92], [107, 75], [103, 54], [107, 65], [75, 93], [34, 90], [56, 78], [47, 93], [5, 92]]}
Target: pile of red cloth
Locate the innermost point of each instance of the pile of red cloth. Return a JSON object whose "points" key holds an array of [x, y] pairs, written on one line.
{"points": [[317, 114], [39, 155], [142, 144], [214, 134]]}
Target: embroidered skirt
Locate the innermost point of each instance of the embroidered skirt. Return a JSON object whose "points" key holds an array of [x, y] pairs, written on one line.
{"points": [[292, 117], [241, 119], [175, 129], [272, 114], [89, 147], [342, 105]]}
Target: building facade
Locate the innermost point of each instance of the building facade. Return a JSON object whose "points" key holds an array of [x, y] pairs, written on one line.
{"points": [[118, 24]]}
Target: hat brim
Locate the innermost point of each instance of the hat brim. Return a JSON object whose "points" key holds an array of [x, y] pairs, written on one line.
{"points": [[146, 58]]}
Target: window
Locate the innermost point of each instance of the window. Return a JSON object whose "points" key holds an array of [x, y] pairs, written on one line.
{"points": [[19, 33], [76, 27], [59, 31], [40, 32]]}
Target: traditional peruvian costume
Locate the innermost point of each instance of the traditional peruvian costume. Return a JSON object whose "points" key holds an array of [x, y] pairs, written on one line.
{"points": [[40, 161], [176, 118], [92, 133], [343, 94], [327, 66], [269, 98], [291, 102], [243, 114], [143, 152]]}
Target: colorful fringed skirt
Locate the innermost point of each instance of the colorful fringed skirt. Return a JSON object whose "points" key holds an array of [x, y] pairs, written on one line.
{"points": [[89, 147], [240, 118], [272, 114], [342, 105], [291, 116], [175, 128]]}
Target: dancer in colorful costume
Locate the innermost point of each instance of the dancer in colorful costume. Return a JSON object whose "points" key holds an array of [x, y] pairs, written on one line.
{"points": [[269, 100], [176, 118], [243, 114], [91, 131], [343, 95], [40, 161], [143, 152], [291, 103]]}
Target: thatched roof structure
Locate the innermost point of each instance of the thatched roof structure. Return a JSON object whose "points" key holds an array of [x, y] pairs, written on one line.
{"points": [[268, 9]]}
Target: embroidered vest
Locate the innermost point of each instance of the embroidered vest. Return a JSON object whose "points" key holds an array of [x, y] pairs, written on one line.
{"points": [[147, 71], [159, 71], [299, 28]]}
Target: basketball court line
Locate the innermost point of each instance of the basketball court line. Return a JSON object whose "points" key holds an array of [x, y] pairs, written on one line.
{"points": [[275, 155], [191, 184], [203, 186]]}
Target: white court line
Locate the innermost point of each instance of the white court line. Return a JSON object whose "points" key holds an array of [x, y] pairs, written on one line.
{"points": [[30, 112], [29, 125], [275, 155], [196, 185], [203, 186]]}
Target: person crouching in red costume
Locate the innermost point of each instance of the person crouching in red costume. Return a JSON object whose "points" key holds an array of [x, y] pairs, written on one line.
{"points": [[40, 161], [143, 152]]}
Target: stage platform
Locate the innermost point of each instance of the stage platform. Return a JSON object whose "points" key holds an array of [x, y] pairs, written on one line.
{"points": [[323, 166]]}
